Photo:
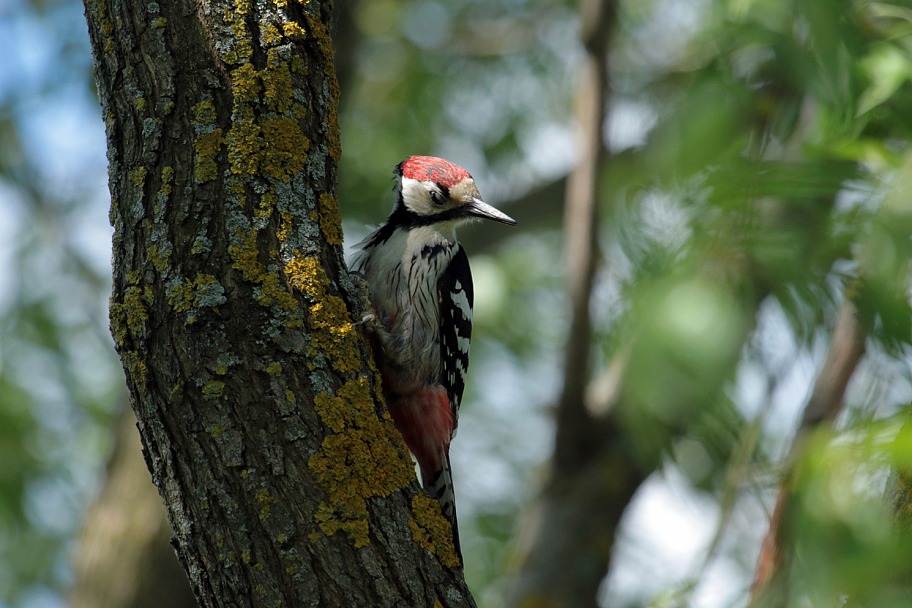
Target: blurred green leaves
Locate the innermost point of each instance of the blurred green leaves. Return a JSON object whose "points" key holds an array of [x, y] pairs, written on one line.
{"points": [[59, 379], [848, 543], [782, 149]]}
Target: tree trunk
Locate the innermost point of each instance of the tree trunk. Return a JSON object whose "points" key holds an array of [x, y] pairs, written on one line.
{"points": [[258, 408], [567, 538]]}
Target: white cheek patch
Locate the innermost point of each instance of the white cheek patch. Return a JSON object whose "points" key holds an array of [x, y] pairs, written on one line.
{"points": [[416, 197]]}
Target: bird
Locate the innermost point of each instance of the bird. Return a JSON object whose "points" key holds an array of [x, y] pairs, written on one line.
{"points": [[421, 295]]}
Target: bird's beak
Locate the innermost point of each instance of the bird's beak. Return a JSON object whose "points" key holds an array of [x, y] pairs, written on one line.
{"points": [[478, 208]]}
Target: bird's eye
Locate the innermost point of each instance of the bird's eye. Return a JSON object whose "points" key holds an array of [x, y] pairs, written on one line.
{"points": [[437, 197]]}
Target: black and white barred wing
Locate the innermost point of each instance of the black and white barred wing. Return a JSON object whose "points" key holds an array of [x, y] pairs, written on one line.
{"points": [[456, 297]]}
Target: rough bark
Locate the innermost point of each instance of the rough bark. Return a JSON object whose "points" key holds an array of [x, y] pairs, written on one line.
{"points": [[258, 408]]}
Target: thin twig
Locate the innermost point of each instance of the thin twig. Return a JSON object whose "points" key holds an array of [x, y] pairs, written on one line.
{"points": [[846, 349]]}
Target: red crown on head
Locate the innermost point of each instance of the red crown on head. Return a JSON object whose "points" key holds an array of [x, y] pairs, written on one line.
{"points": [[430, 168]]}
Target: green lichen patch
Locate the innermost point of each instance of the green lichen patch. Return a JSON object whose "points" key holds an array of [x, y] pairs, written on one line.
{"points": [[201, 244], [264, 209], [270, 35], [167, 177], [285, 148], [285, 227], [239, 49], [431, 530], [265, 138], [159, 253], [129, 316], [351, 521], [334, 335], [364, 457], [204, 112], [272, 292], [223, 363], [118, 317], [243, 250]]}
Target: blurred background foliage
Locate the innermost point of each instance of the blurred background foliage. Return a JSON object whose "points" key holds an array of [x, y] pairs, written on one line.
{"points": [[760, 161]]}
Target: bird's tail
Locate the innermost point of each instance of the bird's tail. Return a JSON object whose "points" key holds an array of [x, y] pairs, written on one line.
{"points": [[440, 486]]}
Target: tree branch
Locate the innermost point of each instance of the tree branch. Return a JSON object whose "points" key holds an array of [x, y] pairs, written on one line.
{"points": [[568, 535], [847, 346]]}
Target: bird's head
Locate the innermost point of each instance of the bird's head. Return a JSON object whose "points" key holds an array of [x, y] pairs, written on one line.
{"points": [[435, 190]]}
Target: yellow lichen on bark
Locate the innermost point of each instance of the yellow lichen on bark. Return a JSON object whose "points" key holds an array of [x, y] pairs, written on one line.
{"points": [[137, 370], [136, 314], [213, 389], [431, 530], [138, 176], [206, 146], [294, 31], [277, 85], [167, 177], [332, 333], [362, 458], [204, 291], [284, 148], [129, 316], [270, 35], [273, 145], [207, 141], [274, 369], [265, 500], [245, 254], [285, 226], [330, 222]]}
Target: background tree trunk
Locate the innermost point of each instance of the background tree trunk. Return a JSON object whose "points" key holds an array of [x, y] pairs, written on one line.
{"points": [[258, 409], [125, 558], [568, 537]]}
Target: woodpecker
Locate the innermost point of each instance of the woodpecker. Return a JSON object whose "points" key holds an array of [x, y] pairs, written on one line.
{"points": [[420, 289]]}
